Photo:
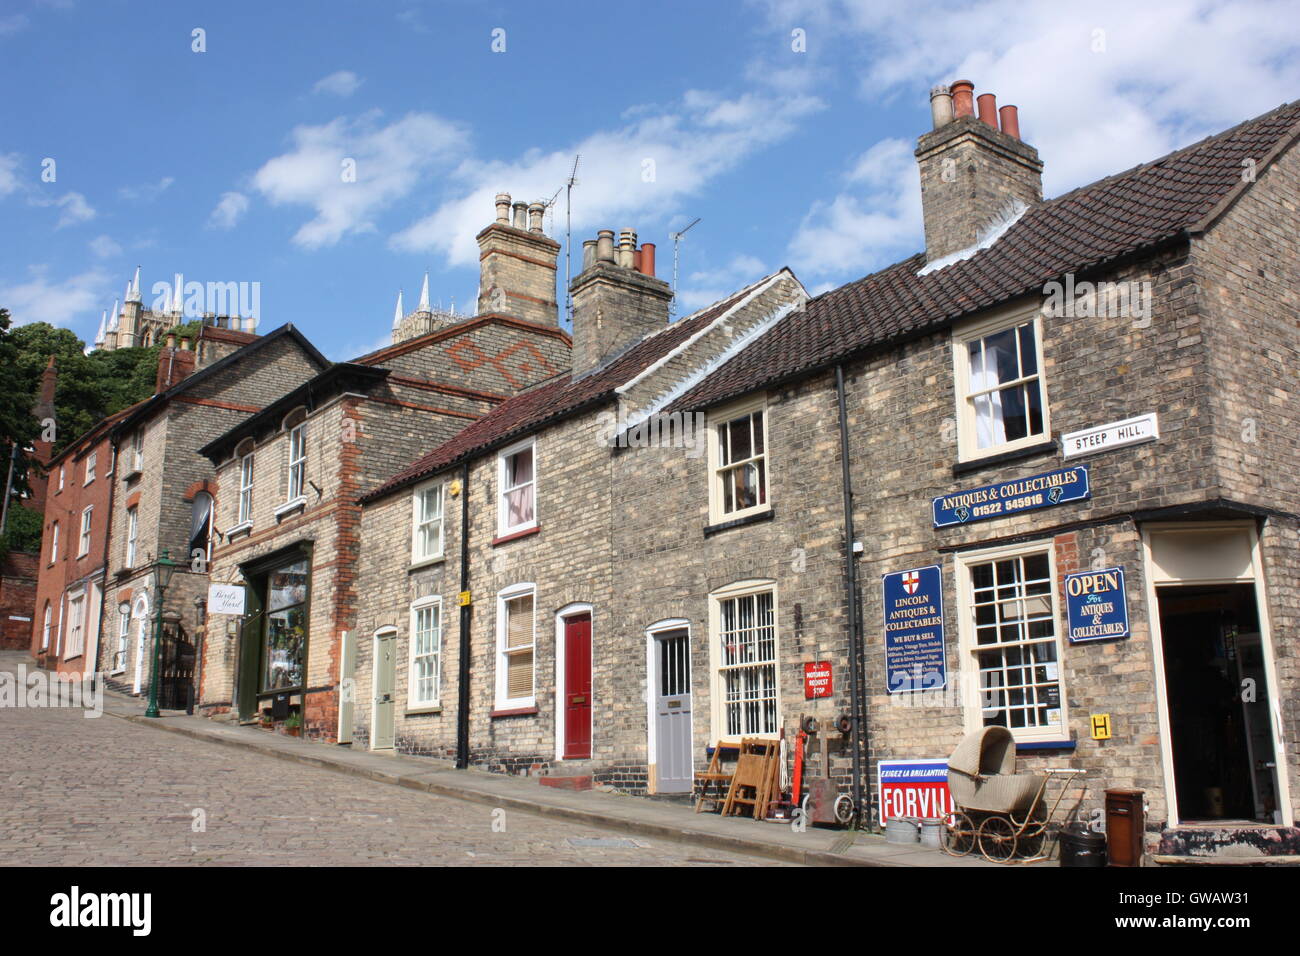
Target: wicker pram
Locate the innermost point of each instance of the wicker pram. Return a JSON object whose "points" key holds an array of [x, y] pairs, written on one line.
{"points": [[982, 774]]}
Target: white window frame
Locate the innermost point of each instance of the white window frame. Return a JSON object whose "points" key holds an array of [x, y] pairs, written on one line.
{"points": [[972, 700], [722, 416], [123, 649], [503, 511], [132, 533], [137, 450], [60, 477], [717, 695], [298, 466], [91, 462], [83, 542], [417, 525], [54, 543], [967, 426], [77, 606], [112, 459], [45, 627], [413, 702], [502, 687], [246, 478]]}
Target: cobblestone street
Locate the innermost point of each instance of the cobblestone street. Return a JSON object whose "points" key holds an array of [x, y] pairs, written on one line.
{"points": [[107, 792]]}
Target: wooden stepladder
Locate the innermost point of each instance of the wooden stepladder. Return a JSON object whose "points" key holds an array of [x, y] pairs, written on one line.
{"points": [[754, 782]]}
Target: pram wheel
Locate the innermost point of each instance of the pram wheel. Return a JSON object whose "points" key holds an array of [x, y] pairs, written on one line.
{"points": [[958, 835], [997, 838]]}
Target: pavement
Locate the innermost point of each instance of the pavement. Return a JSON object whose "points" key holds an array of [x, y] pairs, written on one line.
{"points": [[65, 779]]}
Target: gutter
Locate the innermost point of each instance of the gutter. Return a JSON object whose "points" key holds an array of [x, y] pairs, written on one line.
{"points": [[462, 681], [858, 714]]}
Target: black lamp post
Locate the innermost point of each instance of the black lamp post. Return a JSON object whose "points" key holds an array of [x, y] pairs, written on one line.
{"points": [[162, 573]]}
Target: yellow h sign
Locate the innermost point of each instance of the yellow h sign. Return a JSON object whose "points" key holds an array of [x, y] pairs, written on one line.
{"points": [[1101, 726]]}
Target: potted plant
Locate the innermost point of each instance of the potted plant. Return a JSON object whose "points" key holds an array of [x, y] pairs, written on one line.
{"points": [[293, 725]]}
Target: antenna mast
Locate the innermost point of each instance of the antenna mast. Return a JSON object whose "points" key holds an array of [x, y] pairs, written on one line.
{"points": [[568, 235], [676, 237]]}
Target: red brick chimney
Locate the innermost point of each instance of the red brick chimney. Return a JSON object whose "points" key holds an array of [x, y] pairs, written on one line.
{"points": [[174, 364]]}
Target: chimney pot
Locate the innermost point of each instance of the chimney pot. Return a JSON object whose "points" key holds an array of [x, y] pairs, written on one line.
{"points": [[185, 345], [503, 208], [648, 258], [1010, 118], [521, 215], [940, 105], [588, 254], [171, 340], [605, 245], [535, 211], [626, 245], [963, 103], [988, 107]]}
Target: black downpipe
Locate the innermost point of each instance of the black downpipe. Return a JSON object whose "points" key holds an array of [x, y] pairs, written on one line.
{"points": [[857, 711], [462, 689]]}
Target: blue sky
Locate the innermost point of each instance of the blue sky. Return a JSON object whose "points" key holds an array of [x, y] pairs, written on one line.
{"points": [[794, 148]]}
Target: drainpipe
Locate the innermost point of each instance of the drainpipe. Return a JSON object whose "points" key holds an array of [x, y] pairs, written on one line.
{"points": [[462, 689], [857, 711]]}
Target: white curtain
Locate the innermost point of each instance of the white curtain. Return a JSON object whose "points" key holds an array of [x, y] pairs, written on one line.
{"points": [[989, 428]]}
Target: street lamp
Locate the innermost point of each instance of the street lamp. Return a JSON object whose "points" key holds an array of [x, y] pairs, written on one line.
{"points": [[163, 570]]}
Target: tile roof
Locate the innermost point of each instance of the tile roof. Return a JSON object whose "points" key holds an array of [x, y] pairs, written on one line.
{"points": [[1174, 196], [555, 398]]}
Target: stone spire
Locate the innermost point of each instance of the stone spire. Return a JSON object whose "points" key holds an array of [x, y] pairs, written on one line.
{"points": [[424, 296], [398, 313], [103, 328], [133, 288], [112, 318]]}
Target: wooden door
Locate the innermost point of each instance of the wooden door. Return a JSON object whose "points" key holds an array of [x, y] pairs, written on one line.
{"points": [[577, 687], [385, 670], [671, 687]]}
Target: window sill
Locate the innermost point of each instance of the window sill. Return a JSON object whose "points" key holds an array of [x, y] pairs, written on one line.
{"points": [[289, 507], [976, 464], [133, 474], [1044, 745], [515, 712], [120, 670], [516, 535], [419, 709], [754, 518], [242, 528], [426, 563]]}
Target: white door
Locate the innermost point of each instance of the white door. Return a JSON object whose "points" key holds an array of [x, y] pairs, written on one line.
{"points": [[385, 675], [671, 691]]}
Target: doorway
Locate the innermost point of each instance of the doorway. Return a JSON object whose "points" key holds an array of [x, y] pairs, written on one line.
{"points": [[670, 692], [385, 668], [577, 687], [1218, 698]]}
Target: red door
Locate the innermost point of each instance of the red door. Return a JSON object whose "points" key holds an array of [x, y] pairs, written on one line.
{"points": [[577, 687]]}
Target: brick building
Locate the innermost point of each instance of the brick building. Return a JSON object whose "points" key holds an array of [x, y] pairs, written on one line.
{"points": [[164, 489], [289, 479], [1040, 473]]}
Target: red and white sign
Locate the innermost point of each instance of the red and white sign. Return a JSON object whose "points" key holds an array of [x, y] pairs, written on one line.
{"points": [[911, 581], [817, 680], [913, 788]]}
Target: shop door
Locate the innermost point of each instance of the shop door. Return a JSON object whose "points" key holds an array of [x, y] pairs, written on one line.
{"points": [[1219, 704], [385, 689], [671, 687], [577, 687]]}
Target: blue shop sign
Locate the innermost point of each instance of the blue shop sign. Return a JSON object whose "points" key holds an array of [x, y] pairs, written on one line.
{"points": [[914, 645], [1012, 497], [1096, 605]]}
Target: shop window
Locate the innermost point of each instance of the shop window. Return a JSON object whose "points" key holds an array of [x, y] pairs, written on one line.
{"points": [[516, 509], [425, 673], [516, 641], [738, 459], [1001, 394], [745, 661], [285, 649], [426, 523], [1010, 644]]}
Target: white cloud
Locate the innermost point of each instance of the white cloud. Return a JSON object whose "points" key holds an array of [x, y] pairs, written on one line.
{"points": [[389, 161], [146, 192], [12, 24], [342, 83], [57, 302], [707, 286], [8, 173], [229, 210], [72, 205], [104, 247], [1101, 87], [634, 174]]}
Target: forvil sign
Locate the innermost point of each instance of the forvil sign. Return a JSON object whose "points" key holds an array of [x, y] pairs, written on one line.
{"points": [[1012, 497], [913, 788], [1096, 605], [74, 908], [914, 638]]}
